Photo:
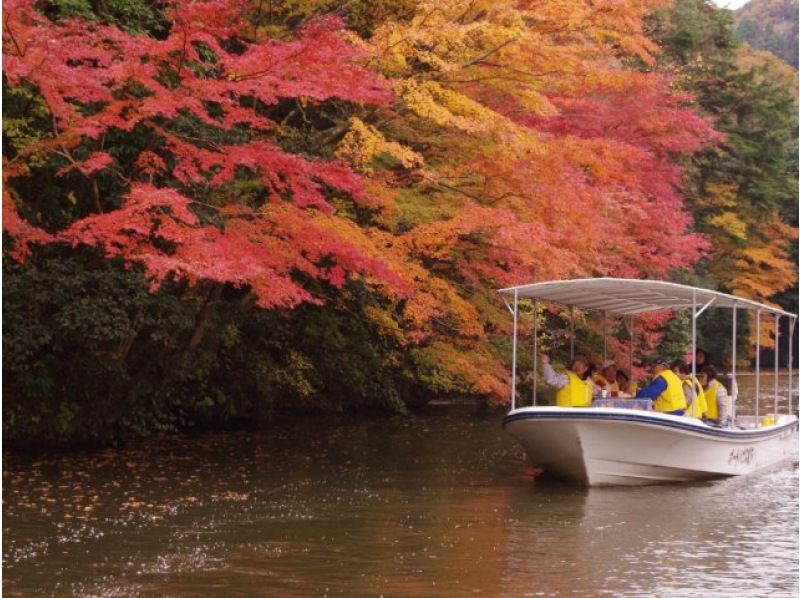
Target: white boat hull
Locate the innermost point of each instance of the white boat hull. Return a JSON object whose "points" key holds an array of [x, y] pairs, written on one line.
{"points": [[623, 447]]}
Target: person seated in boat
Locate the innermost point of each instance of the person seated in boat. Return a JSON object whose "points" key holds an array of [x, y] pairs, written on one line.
{"points": [[666, 390], [693, 392], [719, 405], [589, 379], [701, 360], [606, 378], [625, 384], [591, 369], [573, 388]]}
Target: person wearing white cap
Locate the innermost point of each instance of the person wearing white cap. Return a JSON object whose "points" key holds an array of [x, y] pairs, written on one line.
{"points": [[606, 378]]}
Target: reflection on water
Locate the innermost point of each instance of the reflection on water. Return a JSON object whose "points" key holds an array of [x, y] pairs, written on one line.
{"points": [[746, 404], [735, 537], [438, 505]]}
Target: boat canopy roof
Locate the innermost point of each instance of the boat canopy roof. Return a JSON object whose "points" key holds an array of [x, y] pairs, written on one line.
{"points": [[627, 296]]}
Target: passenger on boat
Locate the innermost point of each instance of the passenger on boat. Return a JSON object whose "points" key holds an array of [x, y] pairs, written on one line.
{"points": [[719, 405], [666, 390], [701, 359], [591, 368], [693, 393], [606, 378], [572, 389], [625, 384]]}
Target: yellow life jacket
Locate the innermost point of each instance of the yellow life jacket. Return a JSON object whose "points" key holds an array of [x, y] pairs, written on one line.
{"points": [[711, 398], [671, 399], [699, 405], [577, 392]]}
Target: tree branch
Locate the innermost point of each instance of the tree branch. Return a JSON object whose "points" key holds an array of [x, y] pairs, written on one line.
{"points": [[489, 53]]}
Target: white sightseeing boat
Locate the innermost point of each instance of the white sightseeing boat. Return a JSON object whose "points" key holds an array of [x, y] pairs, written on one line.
{"points": [[613, 446]]}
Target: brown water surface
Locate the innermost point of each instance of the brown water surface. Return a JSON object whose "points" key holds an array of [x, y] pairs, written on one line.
{"points": [[441, 504]]}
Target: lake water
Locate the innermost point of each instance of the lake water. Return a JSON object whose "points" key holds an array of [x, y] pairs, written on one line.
{"points": [[439, 504]]}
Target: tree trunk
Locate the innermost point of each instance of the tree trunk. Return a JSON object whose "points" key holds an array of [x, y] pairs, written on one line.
{"points": [[201, 324]]}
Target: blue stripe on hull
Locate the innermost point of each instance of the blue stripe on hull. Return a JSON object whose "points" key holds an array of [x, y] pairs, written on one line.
{"points": [[582, 414]]}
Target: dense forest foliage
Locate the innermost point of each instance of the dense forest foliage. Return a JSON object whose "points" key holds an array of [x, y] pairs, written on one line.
{"points": [[220, 210], [743, 190], [771, 25]]}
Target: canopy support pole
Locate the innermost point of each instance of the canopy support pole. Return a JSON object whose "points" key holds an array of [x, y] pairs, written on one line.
{"points": [[514, 353], [696, 314], [758, 363], [604, 338], [571, 332], [535, 347], [694, 336], [792, 322], [630, 360], [705, 307], [734, 384], [777, 337]]}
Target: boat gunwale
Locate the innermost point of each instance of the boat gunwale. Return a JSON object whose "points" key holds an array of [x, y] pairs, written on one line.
{"points": [[640, 417]]}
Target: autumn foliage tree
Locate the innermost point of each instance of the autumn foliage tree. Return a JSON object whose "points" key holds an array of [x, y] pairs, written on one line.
{"points": [[162, 152], [200, 99], [537, 154], [322, 199], [741, 189]]}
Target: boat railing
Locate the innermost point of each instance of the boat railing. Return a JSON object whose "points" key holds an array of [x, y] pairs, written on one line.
{"points": [[626, 297]]}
